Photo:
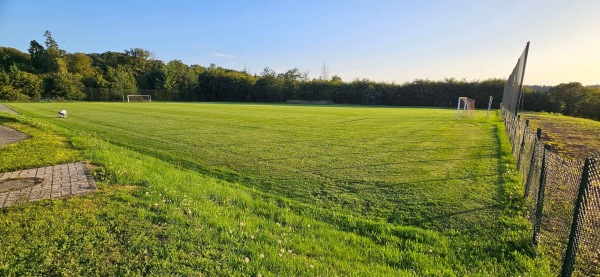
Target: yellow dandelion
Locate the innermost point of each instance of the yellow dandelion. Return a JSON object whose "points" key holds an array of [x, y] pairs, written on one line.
{"points": [[252, 237], [279, 241], [311, 266], [261, 255], [282, 250], [258, 275], [246, 260], [308, 225], [289, 250]]}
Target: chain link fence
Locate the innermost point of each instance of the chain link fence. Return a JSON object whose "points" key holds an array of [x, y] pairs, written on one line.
{"points": [[563, 201]]}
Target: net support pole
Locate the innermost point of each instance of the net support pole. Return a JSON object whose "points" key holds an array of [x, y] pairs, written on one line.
{"points": [[569, 261], [540, 199], [522, 149], [458, 108], [532, 162]]}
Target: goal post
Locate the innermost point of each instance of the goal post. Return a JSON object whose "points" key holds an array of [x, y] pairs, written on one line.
{"points": [[139, 98], [489, 108], [467, 106]]}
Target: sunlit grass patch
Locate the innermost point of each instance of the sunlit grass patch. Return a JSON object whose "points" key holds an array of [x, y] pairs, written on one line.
{"points": [[41, 149]]}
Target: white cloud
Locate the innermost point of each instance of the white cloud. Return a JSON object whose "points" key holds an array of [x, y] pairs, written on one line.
{"points": [[221, 55]]}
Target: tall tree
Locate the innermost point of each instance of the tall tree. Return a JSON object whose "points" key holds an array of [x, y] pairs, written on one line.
{"points": [[64, 84], [50, 42], [120, 78], [36, 52], [79, 63], [137, 59]]}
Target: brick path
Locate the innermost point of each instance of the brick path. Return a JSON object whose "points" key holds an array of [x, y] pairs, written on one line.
{"points": [[59, 181]]}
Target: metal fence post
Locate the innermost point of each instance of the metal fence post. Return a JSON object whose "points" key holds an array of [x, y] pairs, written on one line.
{"points": [[540, 200], [531, 163], [569, 260], [522, 145], [515, 134]]}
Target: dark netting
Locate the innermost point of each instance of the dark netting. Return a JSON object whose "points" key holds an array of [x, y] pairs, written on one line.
{"points": [[587, 254], [512, 88], [560, 194], [532, 185], [529, 163], [553, 187]]}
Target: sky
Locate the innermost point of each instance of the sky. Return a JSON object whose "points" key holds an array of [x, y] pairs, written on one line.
{"points": [[388, 41]]}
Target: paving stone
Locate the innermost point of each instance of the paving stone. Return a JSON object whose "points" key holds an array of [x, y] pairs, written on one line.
{"points": [[59, 181]]}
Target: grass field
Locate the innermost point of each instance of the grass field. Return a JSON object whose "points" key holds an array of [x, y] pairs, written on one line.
{"points": [[570, 137], [297, 190]]}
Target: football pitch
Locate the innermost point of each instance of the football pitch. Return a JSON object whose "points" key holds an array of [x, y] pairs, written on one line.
{"points": [[428, 193]]}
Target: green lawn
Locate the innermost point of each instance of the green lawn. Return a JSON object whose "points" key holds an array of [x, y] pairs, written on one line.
{"points": [[341, 190]]}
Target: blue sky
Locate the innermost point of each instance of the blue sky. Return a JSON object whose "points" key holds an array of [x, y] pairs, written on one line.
{"points": [[391, 41]]}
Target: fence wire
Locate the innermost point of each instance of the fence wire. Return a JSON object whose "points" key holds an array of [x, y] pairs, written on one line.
{"points": [[563, 201], [587, 262]]}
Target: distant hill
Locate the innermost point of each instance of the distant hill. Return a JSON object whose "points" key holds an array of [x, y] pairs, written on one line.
{"points": [[546, 88], [538, 87]]}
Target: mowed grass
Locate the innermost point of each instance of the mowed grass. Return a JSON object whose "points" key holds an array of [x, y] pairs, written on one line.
{"points": [[570, 137], [395, 165], [384, 191], [19, 155]]}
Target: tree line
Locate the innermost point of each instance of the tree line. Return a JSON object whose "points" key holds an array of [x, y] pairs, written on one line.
{"points": [[571, 99], [48, 72]]}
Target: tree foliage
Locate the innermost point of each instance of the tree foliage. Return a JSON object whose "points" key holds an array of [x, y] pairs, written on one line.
{"points": [[571, 99]]}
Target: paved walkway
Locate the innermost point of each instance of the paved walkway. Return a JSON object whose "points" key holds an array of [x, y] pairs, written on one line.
{"points": [[52, 182], [6, 109], [8, 136]]}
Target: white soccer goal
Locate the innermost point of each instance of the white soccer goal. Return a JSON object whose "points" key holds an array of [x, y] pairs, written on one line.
{"points": [[467, 106], [139, 98]]}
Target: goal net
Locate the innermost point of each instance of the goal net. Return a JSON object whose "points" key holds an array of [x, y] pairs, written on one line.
{"points": [[139, 98], [466, 106]]}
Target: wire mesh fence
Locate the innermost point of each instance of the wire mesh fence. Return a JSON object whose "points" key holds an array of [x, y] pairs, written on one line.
{"points": [[563, 201]]}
